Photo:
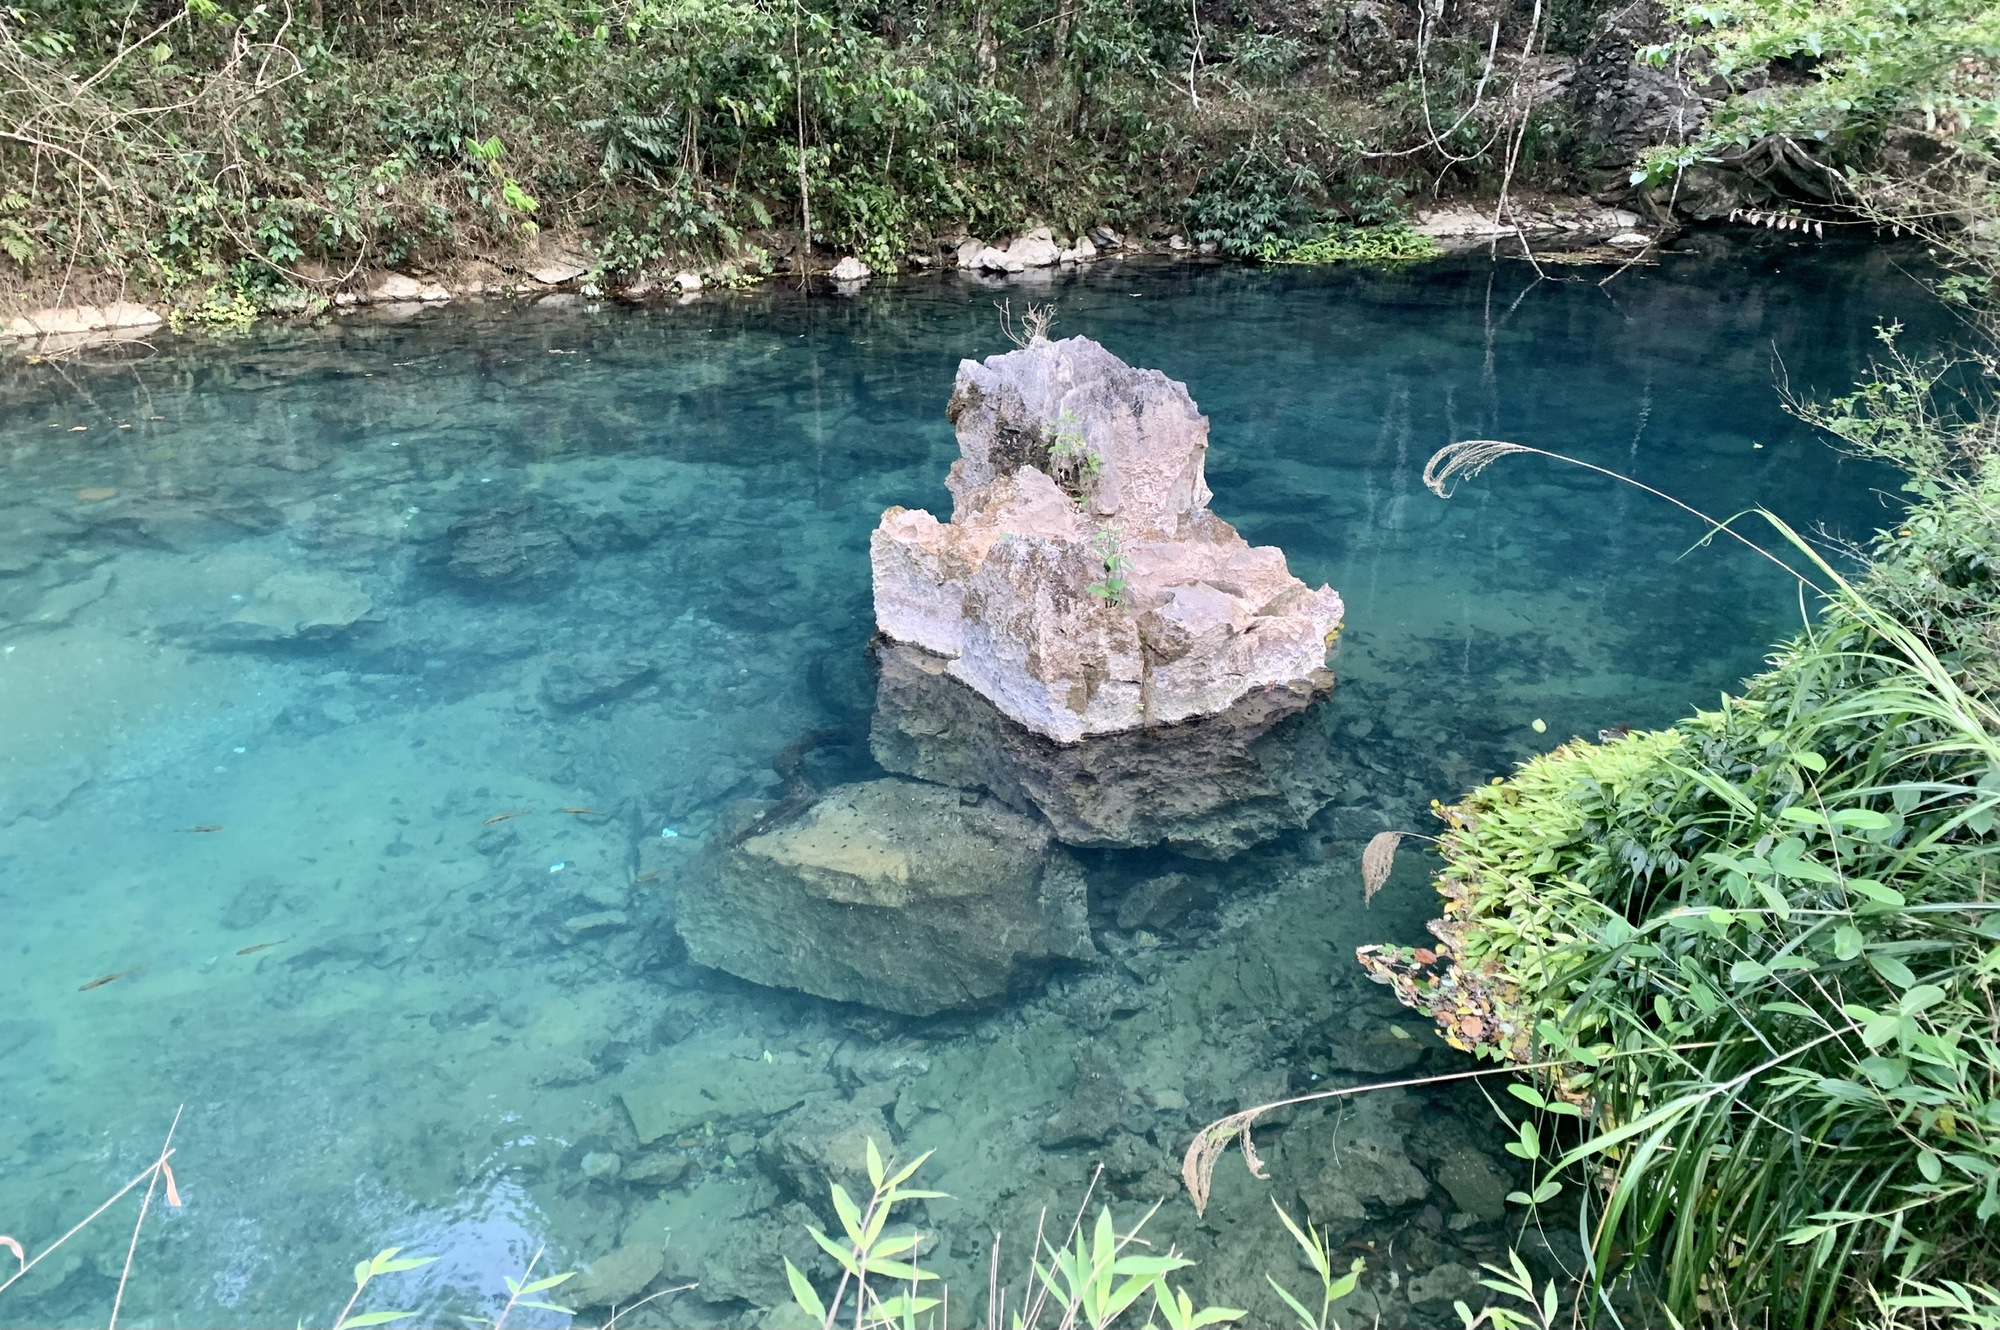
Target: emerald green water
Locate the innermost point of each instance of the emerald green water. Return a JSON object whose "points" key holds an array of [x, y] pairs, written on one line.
{"points": [[329, 592]]}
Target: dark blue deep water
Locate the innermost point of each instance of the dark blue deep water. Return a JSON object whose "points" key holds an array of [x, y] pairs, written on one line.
{"points": [[287, 619]]}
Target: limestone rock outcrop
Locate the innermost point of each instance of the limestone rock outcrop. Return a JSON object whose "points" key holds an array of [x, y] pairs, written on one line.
{"points": [[1082, 585], [911, 897], [1209, 787]]}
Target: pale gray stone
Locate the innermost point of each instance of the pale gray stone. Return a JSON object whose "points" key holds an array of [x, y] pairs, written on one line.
{"points": [[1444, 1285], [1210, 786], [1476, 1186], [990, 259], [1004, 589], [388, 287], [618, 1277], [901, 895], [715, 1081], [558, 269], [600, 921], [296, 606], [1035, 249]]}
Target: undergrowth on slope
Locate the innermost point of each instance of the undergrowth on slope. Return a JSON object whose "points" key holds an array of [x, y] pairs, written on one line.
{"points": [[1761, 949], [195, 143]]}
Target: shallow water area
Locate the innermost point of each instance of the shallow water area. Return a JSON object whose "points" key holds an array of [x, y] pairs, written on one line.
{"points": [[368, 690]]}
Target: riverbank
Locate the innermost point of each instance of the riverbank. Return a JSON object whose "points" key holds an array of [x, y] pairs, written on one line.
{"points": [[1571, 229]]}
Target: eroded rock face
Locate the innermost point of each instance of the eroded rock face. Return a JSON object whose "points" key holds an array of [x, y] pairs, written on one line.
{"points": [[911, 897], [1209, 787], [1081, 584]]}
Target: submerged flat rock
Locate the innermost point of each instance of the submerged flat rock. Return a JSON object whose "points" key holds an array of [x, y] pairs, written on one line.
{"points": [[1081, 584], [719, 1081], [911, 897]]}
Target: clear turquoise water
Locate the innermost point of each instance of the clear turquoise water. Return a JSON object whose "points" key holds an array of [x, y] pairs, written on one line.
{"points": [[427, 1053]]}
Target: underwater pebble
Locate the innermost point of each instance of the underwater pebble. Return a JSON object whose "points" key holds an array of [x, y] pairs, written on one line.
{"points": [[601, 921], [741, 1145], [602, 1164], [657, 1170], [666, 833], [604, 895]]}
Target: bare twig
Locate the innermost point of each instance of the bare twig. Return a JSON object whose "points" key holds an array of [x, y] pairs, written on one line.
{"points": [[150, 1175]]}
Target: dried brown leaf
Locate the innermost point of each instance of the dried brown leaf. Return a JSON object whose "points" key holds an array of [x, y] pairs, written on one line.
{"points": [[1377, 861], [173, 1192], [15, 1247]]}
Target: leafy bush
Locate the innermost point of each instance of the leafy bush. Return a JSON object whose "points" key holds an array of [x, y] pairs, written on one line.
{"points": [[1760, 950], [170, 143], [1341, 243]]}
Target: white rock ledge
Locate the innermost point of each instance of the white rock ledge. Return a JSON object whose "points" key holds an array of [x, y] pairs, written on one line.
{"points": [[1004, 592]]}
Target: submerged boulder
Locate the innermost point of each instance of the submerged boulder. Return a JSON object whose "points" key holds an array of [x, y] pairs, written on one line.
{"points": [[911, 897], [1208, 787], [1081, 584]]}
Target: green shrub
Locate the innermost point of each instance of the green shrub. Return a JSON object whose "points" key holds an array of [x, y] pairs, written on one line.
{"points": [[1339, 242], [1761, 948]]}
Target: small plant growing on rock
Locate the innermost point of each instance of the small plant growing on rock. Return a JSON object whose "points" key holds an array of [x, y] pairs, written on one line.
{"points": [[1111, 588], [1073, 463]]}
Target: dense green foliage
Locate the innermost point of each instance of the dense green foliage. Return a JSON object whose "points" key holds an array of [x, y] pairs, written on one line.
{"points": [[1847, 74], [1341, 243], [187, 141], [1763, 946]]}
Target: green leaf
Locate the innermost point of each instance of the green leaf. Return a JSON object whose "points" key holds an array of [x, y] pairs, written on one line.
{"points": [[1930, 1166], [1788, 860], [541, 1285], [547, 1307], [382, 1266], [895, 1307], [1306, 1320], [803, 1294], [850, 1215], [1314, 1249], [1846, 941], [1892, 970], [1921, 998], [1747, 972], [1875, 891], [1889, 1073], [1810, 760], [875, 1169], [909, 1170], [1881, 1030], [839, 1253], [1527, 1094], [371, 1318]]}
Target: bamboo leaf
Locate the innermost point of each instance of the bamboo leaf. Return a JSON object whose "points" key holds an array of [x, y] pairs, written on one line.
{"points": [[803, 1294]]}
